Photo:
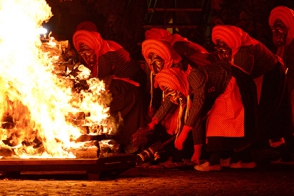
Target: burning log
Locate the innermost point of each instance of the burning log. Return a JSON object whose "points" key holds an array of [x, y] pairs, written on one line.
{"points": [[90, 150], [86, 153], [6, 152], [108, 148]]}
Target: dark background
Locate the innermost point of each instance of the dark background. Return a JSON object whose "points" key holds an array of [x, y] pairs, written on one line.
{"points": [[125, 21]]}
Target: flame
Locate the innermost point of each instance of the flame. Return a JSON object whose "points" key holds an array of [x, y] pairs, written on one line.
{"points": [[39, 101]]}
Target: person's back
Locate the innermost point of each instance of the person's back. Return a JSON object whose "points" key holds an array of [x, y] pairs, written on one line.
{"points": [[118, 63], [105, 59], [255, 59]]}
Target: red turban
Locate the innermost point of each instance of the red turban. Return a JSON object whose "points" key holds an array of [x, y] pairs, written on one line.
{"points": [[90, 38], [176, 79], [286, 15], [86, 25], [94, 41], [162, 49], [173, 78], [158, 34], [233, 36]]}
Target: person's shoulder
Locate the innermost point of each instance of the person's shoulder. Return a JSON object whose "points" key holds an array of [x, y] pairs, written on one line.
{"points": [[198, 72], [246, 48]]}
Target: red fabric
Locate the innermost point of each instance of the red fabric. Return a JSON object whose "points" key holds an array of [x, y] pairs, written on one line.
{"points": [[152, 124], [197, 47], [286, 15], [91, 39], [126, 80], [162, 49], [226, 117], [109, 45], [170, 122], [177, 37], [197, 153], [199, 55], [158, 34], [94, 41], [112, 45], [86, 25], [182, 137], [176, 79], [233, 36]]}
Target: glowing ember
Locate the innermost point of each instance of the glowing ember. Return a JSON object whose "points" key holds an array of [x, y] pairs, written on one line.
{"points": [[40, 110]]}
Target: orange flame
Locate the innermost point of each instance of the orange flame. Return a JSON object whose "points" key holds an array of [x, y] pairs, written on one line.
{"points": [[38, 100]]}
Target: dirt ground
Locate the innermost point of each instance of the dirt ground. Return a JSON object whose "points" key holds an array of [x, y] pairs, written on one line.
{"points": [[266, 179]]}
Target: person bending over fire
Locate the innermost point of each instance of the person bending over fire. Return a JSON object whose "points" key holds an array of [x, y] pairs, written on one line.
{"points": [[181, 45], [274, 115], [122, 76], [207, 83], [158, 55], [189, 50]]}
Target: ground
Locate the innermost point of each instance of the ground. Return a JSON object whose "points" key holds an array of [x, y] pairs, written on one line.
{"points": [[266, 179]]}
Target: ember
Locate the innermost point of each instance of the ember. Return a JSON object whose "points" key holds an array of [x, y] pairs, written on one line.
{"points": [[42, 112]]}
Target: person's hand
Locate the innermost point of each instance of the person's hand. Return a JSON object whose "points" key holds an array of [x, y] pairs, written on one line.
{"points": [[182, 137], [139, 138], [152, 124], [197, 153]]}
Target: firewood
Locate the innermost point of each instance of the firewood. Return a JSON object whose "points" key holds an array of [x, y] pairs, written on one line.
{"points": [[89, 152]]}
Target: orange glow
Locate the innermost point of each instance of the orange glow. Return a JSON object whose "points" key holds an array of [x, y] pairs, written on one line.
{"points": [[39, 101]]}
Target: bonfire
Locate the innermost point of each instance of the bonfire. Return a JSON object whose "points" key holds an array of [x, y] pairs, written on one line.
{"points": [[46, 104]]}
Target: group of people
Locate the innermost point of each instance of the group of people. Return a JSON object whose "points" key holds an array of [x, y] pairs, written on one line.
{"points": [[209, 105]]}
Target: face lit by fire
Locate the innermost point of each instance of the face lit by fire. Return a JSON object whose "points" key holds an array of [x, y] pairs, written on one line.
{"points": [[224, 51], [155, 63], [174, 96], [280, 32], [88, 54]]}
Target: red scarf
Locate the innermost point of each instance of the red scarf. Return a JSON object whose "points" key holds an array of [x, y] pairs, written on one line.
{"points": [[162, 49], [158, 34]]}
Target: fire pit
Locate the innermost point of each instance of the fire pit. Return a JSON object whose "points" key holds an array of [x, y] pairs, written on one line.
{"points": [[45, 108], [104, 157], [93, 167]]}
